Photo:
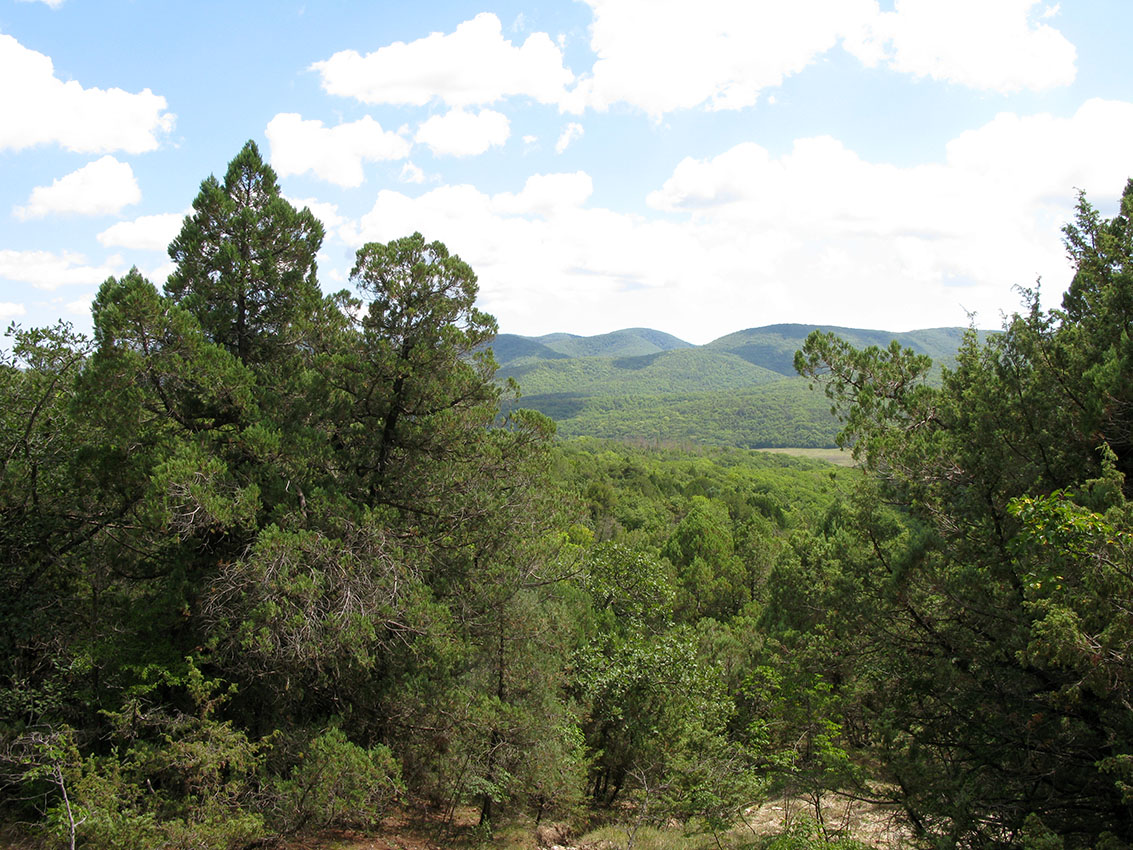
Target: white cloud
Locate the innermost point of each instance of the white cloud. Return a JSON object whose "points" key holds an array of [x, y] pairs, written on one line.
{"points": [[730, 53], [570, 133], [411, 173], [818, 234], [145, 233], [325, 212], [662, 55], [330, 270], [546, 195], [334, 154], [80, 306], [991, 46], [54, 4], [473, 65], [921, 240], [9, 311], [47, 270], [101, 187], [42, 109], [544, 259], [158, 273], [460, 133]]}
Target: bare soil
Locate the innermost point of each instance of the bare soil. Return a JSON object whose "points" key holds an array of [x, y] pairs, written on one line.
{"points": [[875, 825]]}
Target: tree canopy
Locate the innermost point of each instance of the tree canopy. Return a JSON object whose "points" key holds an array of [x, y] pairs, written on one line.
{"points": [[1003, 610], [276, 560]]}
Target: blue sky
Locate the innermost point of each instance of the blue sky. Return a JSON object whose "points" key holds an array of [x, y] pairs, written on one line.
{"points": [[696, 166]]}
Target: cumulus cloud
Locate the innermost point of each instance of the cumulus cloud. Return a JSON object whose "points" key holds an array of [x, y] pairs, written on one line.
{"points": [[411, 173], [664, 55], [817, 234], [730, 53], [570, 133], [325, 212], [334, 154], [42, 109], [543, 262], [145, 233], [992, 46], [101, 187], [473, 65], [546, 195], [1024, 159], [460, 133], [9, 311], [48, 270], [80, 306]]}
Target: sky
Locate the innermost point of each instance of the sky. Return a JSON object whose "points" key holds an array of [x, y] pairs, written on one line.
{"points": [[694, 166]]}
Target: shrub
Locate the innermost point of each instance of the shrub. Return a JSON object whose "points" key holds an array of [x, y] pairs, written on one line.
{"points": [[338, 783]]}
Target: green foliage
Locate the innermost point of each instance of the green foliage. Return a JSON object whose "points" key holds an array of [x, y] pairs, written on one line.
{"points": [[313, 498], [338, 783], [739, 390], [999, 625], [277, 561], [712, 578], [676, 372], [777, 414], [807, 835], [40, 532], [774, 346], [652, 705], [246, 262], [171, 779], [628, 586]]}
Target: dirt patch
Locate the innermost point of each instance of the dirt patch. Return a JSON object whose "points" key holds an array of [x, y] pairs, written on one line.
{"points": [[870, 823], [397, 832]]}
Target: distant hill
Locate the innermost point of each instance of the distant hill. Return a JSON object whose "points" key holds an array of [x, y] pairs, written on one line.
{"points": [[676, 371], [782, 414], [514, 351], [773, 347], [739, 390]]}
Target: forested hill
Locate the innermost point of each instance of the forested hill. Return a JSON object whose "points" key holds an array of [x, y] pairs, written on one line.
{"points": [[773, 346], [739, 390], [770, 347], [518, 351]]}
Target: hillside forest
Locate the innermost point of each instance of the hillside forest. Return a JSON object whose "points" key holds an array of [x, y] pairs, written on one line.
{"points": [[276, 562], [643, 386]]}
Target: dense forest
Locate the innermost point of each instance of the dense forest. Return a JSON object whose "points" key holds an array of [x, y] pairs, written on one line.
{"points": [[275, 561], [740, 390]]}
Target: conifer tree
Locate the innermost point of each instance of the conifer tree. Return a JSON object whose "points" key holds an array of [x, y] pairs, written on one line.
{"points": [[246, 261]]}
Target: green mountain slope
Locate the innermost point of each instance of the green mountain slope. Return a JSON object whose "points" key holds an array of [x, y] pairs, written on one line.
{"points": [[739, 390], [679, 371], [785, 413], [774, 346], [630, 342], [512, 350]]}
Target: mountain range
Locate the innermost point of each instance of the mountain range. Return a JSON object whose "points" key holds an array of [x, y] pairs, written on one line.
{"points": [[641, 384]]}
